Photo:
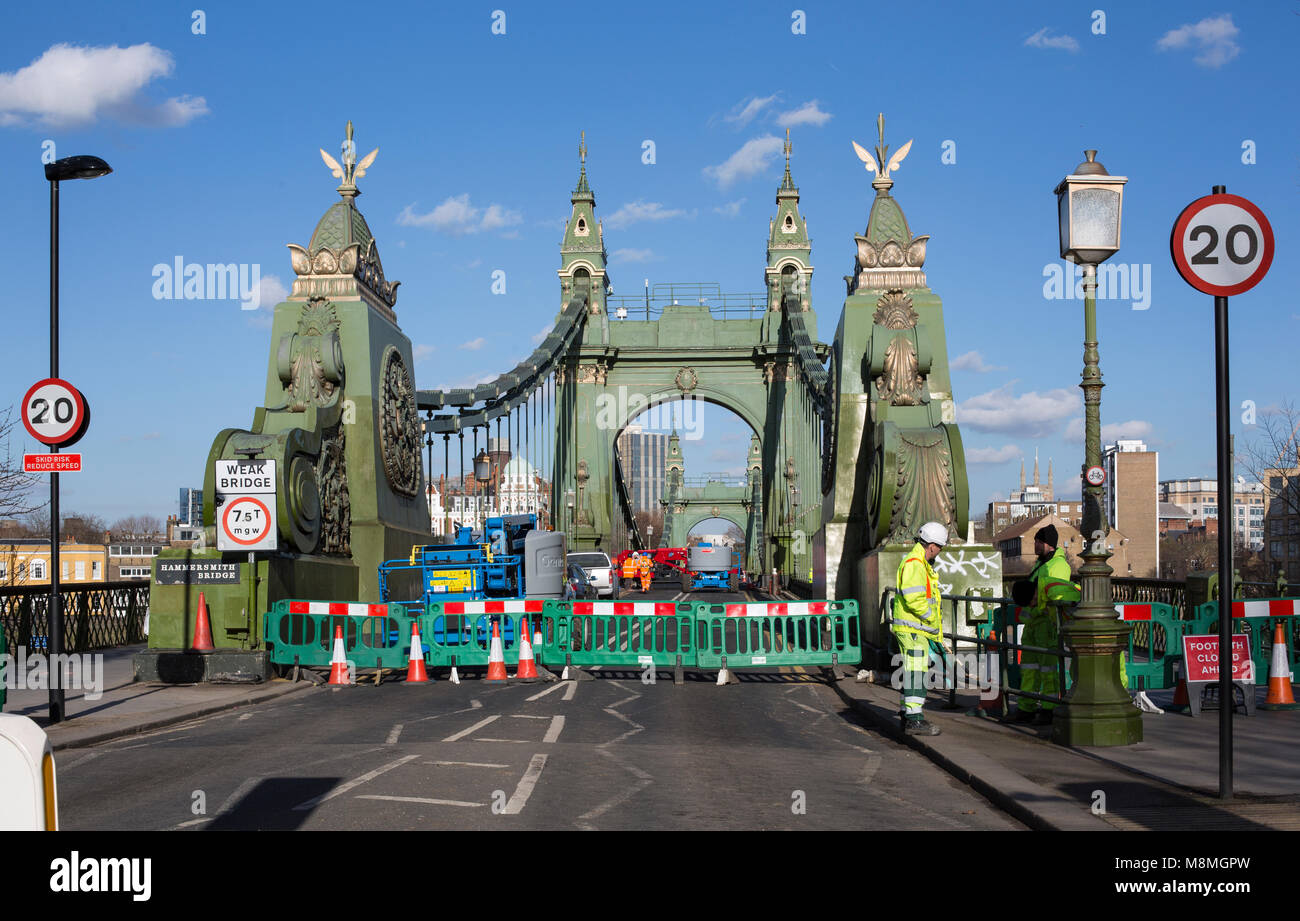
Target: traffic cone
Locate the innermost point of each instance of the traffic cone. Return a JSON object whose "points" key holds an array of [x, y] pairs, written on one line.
{"points": [[202, 629], [1279, 675], [496, 659], [415, 671], [339, 663], [1181, 700], [527, 670]]}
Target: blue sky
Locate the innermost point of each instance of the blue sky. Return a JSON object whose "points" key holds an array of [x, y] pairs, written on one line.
{"points": [[213, 138]]}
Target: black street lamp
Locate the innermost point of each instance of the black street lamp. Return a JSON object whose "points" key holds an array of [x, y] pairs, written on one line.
{"points": [[80, 167]]}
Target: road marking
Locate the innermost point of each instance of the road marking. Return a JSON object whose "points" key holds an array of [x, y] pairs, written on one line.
{"points": [[482, 764], [616, 801], [418, 799], [393, 734], [474, 705], [526, 784], [527, 716], [352, 784], [475, 728], [244, 716], [808, 708], [194, 822], [552, 689], [485, 739], [239, 793], [553, 733]]}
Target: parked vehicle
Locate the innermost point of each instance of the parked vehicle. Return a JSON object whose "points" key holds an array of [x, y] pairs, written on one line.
{"points": [[578, 584], [599, 566]]}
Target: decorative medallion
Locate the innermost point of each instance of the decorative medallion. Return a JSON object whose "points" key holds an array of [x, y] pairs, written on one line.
{"points": [[310, 361], [901, 383], [687, 380], [399, 426], [336, 502]]}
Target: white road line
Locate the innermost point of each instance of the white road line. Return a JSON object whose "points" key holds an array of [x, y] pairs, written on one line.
{"points": [[352, 784], [194, 822], [552, 689], [244, 716], [393, 734], [240, 792], [808, 708], [481, 764], [553, 733], [616, 801], [418, 799], [475, 728], [570, 688], [526, 716], [526, 784], [485, 739], [474, 705], [873, 765], [82, 760]]}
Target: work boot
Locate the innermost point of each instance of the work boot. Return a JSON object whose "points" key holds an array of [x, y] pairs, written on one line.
{"points": [[920, 727], [1043, 718], [1024, 716]]}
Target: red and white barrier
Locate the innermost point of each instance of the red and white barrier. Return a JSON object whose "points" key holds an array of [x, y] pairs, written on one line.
{"points": [[1276, 607], [513, 606], [779, 609], [338, 608], [624, 608], [1133, 612]]}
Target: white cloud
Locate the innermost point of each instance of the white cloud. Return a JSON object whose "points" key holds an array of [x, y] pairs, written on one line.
{"points": [[642, 211], [70, 85], [1110, 433], [473, 345], [973, 361], [270, 292], [1041, 39], [1031, 414], [1213, 37], [542, 333], [632, 255], [744, 113], [992, 455], [457, 216], [422, 352], [807, 114], [731, 208], [753, 158]]}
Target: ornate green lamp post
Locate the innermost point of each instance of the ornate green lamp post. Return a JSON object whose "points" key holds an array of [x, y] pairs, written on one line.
{"points": [[1098, 710]]}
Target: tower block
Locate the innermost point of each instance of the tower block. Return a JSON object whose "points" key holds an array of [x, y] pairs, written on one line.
{"points": [[339, 419]]}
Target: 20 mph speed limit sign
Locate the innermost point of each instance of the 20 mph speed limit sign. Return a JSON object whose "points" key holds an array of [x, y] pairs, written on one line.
{"points": [[55, 413], [245, 505], [1222, 244]]}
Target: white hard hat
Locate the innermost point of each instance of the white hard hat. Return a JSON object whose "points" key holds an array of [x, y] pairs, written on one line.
{"points": [[934, 533]]}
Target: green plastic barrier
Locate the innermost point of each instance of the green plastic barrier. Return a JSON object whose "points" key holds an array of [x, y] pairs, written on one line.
{"points": [[1256, 618], [772, 633], [618, 634], [301, 632], [460, 633], [1154, 645]]}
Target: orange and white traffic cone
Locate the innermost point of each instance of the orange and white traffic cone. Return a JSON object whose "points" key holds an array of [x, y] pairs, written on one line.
{"points": [[527, 670], [1279, 675], [1181, 700], [339, 662], [415, 671], [496, 658], [202, 629]]}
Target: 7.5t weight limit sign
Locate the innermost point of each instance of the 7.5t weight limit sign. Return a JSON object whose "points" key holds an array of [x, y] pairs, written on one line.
{"points": [[245, 505]]}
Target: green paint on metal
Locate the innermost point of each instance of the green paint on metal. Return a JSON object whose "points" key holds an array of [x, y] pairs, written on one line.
{"points": [[774, 640]]}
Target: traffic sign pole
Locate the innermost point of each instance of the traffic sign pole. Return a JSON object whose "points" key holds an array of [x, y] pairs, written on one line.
{"points": [[54, 617], [1222, 245]]}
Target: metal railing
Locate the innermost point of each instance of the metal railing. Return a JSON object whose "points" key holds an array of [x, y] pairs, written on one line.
{"points": [[1001, 646], [650, 305], [96, 615]]}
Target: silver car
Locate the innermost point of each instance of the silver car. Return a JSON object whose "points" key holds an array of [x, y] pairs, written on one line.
{"points": [[603, 577]]}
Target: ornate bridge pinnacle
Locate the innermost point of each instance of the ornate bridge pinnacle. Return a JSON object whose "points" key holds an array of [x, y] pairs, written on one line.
{"points": [[351, 170], [882, 182]]}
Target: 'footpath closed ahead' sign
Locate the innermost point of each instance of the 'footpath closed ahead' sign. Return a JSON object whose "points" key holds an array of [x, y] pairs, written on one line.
{"points": [[1201, 653], [245, 505]]}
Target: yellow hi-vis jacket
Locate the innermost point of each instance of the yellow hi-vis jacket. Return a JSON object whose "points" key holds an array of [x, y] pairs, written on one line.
{"points": [[916, 605], [1053, 578]]}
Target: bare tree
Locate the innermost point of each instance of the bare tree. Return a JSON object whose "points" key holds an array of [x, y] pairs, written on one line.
{"points": [[135, 527], [1272, 456], [16, 486]]}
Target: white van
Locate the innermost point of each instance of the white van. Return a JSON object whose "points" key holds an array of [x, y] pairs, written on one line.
{"points": [[30, 800]]}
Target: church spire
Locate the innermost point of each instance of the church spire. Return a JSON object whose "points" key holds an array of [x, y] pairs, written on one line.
{"points": [[1035, 467], [789, 249], [1022, 475], [582, 252], [1051, 494]]}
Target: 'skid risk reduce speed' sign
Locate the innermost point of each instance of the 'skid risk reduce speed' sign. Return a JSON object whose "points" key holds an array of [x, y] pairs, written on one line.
{"points": [[245, 505], [1222, 244]]}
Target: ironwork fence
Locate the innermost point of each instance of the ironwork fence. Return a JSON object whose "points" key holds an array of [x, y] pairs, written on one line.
{"points": [[96, 615]]}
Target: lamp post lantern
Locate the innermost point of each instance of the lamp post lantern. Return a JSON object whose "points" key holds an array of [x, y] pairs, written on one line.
{"points": [[79, 167], [482, 473], [1097, 710]]}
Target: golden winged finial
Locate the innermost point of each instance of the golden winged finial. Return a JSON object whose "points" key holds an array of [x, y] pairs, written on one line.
{"points": [[882, 164], [787, 148], [350, 171], [582, 149]]}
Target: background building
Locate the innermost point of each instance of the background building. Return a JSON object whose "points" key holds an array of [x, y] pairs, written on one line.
{"points": [[1032, 501], [643, 456], [1016, 544], [191, 507], [26, 561], [1131, 499], [1199, 497], [1282, 521]]}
